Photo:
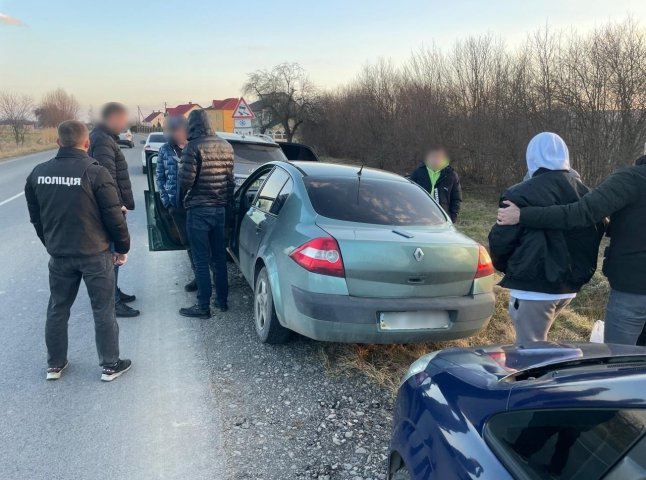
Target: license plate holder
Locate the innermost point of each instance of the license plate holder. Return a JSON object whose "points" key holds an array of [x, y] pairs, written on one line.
{"points": [[417, 320]]}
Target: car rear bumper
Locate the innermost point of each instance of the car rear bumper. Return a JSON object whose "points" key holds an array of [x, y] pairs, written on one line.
{"points": [[342, 318]]}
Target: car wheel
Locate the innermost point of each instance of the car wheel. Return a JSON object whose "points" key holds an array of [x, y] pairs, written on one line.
{"points": [[268, 327], [144, 169], [401, 474]]}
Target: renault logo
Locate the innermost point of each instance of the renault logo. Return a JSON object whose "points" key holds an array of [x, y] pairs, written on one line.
{"points": [[418, 254]]}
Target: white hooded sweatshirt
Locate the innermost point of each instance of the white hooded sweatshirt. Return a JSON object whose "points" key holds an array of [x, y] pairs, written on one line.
{"points": [[546, 150]]}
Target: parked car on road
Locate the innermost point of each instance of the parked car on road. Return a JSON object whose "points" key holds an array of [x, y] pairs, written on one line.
{"points": [[152, 144], [351, 254], [125, 138], [539, 411]]}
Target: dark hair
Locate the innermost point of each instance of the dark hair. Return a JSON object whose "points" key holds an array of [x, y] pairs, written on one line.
{"points": [[435, 148], [112, 108], [641, 160], [72, 133]]}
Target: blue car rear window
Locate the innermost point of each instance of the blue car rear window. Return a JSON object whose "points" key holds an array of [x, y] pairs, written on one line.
{"points": [[380, 202], [573, 444]]}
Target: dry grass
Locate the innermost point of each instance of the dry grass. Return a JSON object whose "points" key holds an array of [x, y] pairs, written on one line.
{"points": [[35, 141], [386, 364]]}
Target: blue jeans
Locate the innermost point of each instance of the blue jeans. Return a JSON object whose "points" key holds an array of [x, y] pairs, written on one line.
{"points": [[625, 318], [205, 226]]}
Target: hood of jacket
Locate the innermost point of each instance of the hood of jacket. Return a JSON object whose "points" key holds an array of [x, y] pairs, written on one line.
{"points": [[198, 125], [547, 150]]}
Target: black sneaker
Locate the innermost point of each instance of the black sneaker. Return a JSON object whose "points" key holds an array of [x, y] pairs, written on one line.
{"points": [[54, 373], [125, 298], [123, 310], [195, 312], [223, 307], [110, 372], [191, 286]]}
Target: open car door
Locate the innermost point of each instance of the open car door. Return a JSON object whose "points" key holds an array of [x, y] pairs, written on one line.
{"points": [[298, 152], [162, 232]]}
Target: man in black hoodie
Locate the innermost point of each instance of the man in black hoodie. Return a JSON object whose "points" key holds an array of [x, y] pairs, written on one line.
{"points": [[75, 209], [622, 197], [206, 186], [439, 179], [105, 150]]}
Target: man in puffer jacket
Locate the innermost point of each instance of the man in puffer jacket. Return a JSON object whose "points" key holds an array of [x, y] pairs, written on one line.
{"points": [[544, 268], [166, 172], [206, 186], [105, 150]]}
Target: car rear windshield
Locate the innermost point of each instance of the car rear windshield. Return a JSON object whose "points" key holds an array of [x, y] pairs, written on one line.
{"points": [[574, 444], [380, 202], [252, 153], [159, 138]]}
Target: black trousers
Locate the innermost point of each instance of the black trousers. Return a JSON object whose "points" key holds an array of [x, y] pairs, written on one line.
{"points": [[65, 274], [179, 217]]}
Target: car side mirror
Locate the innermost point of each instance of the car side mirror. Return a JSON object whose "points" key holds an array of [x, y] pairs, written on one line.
{"points": [[143, 142]]}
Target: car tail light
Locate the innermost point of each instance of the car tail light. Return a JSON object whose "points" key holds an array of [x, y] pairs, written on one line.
{"points": [[485, 266], [321, 255]]}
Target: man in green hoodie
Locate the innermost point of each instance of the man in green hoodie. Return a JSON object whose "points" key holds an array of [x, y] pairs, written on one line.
{"points": [[438, 178]]}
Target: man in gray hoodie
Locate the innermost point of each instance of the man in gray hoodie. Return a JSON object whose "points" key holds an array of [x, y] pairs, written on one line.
{"points": [[544, 268]]}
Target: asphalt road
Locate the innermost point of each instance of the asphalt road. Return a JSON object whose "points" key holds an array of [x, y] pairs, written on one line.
{"points": [[204, 399], [157, 421]]}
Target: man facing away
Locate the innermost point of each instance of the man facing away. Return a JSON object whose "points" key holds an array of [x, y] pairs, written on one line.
{"points": [[622, 197], [206, 186], [438, 178], [74, 207], [104, 148], [167, 165], [544, 268]]}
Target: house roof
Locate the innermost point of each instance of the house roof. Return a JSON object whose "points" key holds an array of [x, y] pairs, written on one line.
{"points": [[181, 109], [152, 116], [226, 104]]}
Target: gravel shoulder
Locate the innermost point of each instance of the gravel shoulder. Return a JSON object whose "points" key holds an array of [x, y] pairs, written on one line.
{"points": [[283, 415]]}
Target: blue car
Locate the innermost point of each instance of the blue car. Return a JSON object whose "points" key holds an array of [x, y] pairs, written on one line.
{"points": [[541, 411]]}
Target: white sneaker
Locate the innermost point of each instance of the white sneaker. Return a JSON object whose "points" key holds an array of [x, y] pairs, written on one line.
{"points": [[56, 372]]}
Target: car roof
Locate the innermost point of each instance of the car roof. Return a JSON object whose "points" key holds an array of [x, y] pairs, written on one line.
{"points": [[548, 375], [236, 137], [323, 169]]}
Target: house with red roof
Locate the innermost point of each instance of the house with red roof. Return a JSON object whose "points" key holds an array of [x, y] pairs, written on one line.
{"points": [[184, 109], [220, 114], [155, 119]]}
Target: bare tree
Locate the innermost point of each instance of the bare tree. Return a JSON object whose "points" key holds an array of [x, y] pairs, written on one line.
{"points": [[484, 101], [15, 109], [56, 107], [286, 93]]}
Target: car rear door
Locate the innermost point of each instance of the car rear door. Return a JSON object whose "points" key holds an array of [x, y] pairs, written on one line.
{"points": [[162, 233], [260, 219]]}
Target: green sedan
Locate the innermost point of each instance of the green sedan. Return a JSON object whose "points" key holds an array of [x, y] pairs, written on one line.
{"points": [[351, 254]]}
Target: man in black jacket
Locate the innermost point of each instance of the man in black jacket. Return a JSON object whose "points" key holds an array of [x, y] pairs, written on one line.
{"points": [[105, 150], [74, 207], [622, 197], [439, 179], [544, 268], [206, 185]]}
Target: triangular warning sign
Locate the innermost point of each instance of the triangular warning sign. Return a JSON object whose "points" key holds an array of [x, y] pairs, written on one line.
{"points": [[242, 110]]}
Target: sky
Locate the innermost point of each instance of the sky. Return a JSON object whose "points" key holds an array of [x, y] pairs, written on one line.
{"points": [[145, 53]]}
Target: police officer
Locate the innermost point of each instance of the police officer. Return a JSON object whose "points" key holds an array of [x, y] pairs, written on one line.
{"points": [[75, 209], [105, 150]]}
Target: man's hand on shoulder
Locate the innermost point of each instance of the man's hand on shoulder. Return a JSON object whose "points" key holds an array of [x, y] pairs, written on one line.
{"points": [[509, 214], [119, 258]]}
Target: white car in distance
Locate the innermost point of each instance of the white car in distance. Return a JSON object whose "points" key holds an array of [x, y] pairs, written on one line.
{"points": [[151, 146]]}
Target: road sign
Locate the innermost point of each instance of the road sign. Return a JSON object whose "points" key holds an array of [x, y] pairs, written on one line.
{"points": [[242, 110], [242, 123]]}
